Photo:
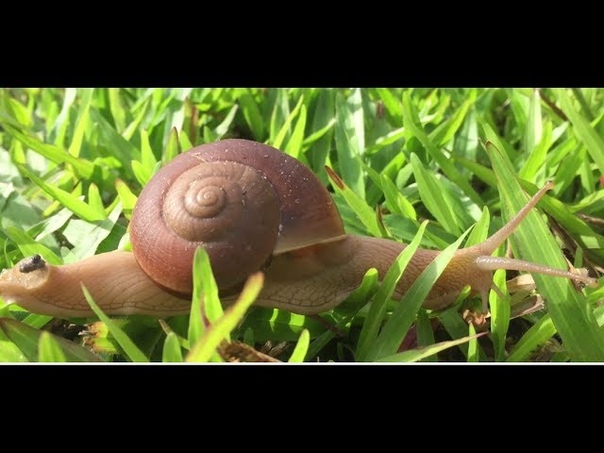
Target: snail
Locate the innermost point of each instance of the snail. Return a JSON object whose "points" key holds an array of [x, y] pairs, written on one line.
{"points": [[253, 208]]}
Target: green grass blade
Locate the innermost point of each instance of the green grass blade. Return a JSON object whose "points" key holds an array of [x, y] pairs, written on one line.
{"points": [[444, 133], [224, 127], [70, 201], [536, 160], [385, 140], [126, 197], [59, 127], [112, 141], [534, 125], [349, 309], [397, 326], [36, 321], [205, 306], [49, 349], [415, 355], [392, 104], [95, 201], [252, 115], [575, 323], [173, 147], [425, 334], [322, 126], [396, 201], [377, 311], [78, 135], [279, 325], [118, 112], [130, 349], [412, 123], [148, 162], [350, 141], [466, 142], [28, 340], [456, 327], [500, 316], [172, 351], [301, 348], [29, 246], [294, 145], [205, 347], [53, 153], [87, 236], [284, 130], [318, 135], [537, 335], [473, 348], [364, 212], [584, 131], [439, 202], [135, 125]]}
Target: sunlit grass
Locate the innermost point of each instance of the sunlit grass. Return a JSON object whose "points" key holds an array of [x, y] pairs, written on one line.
{"points": [[74, 160]]}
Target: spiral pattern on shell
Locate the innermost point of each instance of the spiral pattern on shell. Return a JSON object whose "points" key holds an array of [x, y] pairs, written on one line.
{"points": [[228, 208], [242, 201], [208, 203]]}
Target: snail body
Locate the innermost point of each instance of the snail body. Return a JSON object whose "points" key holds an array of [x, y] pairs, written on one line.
{"points": [[252, 208]]}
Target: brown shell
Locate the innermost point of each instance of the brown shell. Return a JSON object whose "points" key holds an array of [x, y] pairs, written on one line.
{"points": [[290, 210]]}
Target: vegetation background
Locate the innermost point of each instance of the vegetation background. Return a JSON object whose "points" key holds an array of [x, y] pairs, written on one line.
{"points": [[74, 160]]}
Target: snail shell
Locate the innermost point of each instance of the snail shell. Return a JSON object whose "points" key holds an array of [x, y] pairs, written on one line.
{"points": [[242, 201]]}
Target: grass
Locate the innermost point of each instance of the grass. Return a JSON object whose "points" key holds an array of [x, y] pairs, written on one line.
{"points": [[426, 166]]}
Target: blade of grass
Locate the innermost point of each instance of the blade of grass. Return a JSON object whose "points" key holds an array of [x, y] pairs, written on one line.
{"points": [[411, 122], [425, 335], [68, 200], [473, 347], [446, 131], [536, 160], [500, 316], [575, 323], [284, 130], [29, 247], [173, 147], [456, 327], [365, 213], [534, 124], [437, 200], [397, 202], [252, 115], [49, 349], [171, 351], [397, 326], [135, 125], [537, 335], [206, 346], [87, 236], [583, 129], [83, 168], [28, 340], [205, 307], [349, 309], [59, 127], [350, 140], [130, 349], [301, 348], [78, 135], [377, 311], [415, 355], [279, 325], [294, 145], [126, 197]]}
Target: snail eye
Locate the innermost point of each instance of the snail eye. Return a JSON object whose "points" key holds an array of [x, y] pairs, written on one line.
{"points": [[33, 263]]}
